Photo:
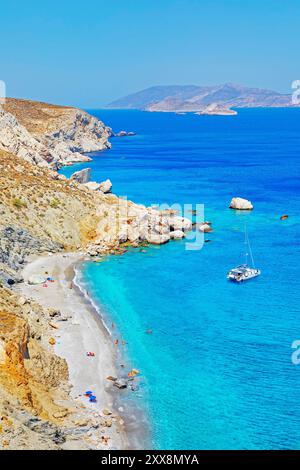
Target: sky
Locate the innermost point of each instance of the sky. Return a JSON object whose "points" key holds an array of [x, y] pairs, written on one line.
{"points": [[88, 53]]}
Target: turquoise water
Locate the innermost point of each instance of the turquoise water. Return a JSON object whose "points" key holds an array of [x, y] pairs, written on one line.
{"points": [[217, 370]]}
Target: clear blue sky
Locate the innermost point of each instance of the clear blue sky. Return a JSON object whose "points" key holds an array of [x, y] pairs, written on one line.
{"points": [[90, 52]]}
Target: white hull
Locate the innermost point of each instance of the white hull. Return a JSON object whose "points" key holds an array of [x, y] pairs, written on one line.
{"points": [[243, 274]]}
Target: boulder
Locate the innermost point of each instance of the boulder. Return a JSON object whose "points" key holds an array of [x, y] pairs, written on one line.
{"points": [[241, 204], [156, 239], [120, 383], [205, 227], [92, 185], [82, 176], [105, 186], [180, 223], [177, 235]]}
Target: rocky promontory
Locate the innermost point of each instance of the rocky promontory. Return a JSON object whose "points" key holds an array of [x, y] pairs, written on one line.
{"points": [[50, 135]]}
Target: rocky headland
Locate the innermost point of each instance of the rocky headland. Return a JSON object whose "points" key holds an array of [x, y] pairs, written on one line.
{"points": [[50, 135]]}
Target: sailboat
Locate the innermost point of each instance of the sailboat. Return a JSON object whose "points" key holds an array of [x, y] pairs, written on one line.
{"points": [[244, 272]]}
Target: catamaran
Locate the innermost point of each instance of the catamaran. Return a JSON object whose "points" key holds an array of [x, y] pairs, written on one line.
{"points": [[244, 272]]}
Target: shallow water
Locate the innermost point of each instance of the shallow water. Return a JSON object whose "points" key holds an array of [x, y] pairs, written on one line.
{"points": [[217, 370]]}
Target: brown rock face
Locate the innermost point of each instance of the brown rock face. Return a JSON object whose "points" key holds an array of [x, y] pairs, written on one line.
{"points": [[28, 372], [13, 376]]}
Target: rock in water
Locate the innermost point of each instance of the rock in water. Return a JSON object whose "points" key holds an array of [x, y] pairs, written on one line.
{"points": [[177, 234], [158, 239], [124, 134], [205, 227], [241, 204], [180, 223], [82, 176], [106, 186]]}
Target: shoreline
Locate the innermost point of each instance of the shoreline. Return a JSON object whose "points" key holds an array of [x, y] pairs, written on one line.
{"points": [[83, 329]]}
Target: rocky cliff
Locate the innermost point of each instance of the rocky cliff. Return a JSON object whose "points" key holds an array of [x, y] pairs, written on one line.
{"points": [[16, 244], [36, 410], [49, 135]]}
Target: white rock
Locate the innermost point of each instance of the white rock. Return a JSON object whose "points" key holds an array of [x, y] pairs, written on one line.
{"points": [[92, 185], [22, 301], [180, 223], [177, 234], [82, 176], [106, 186], [205, 227], [240, 204], [16, 139], [123, 234], [156, 239]]}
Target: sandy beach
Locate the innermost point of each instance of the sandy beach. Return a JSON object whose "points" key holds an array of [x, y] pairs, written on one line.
{"points": [[81, 331]]}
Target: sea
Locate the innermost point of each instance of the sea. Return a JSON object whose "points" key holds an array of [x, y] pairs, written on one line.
{"points": [[216, 359]]}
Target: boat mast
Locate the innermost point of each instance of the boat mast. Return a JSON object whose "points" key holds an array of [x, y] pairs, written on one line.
{"points": [[247, 242]]}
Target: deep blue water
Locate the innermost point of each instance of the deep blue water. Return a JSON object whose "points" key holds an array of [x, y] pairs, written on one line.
{"points": [[217, 370]]}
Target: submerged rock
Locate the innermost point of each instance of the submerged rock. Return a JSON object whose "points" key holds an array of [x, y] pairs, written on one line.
{"points": [[240, 204]]}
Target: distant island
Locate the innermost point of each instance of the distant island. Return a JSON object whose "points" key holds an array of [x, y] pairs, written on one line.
{"points": [[202, 99]]}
